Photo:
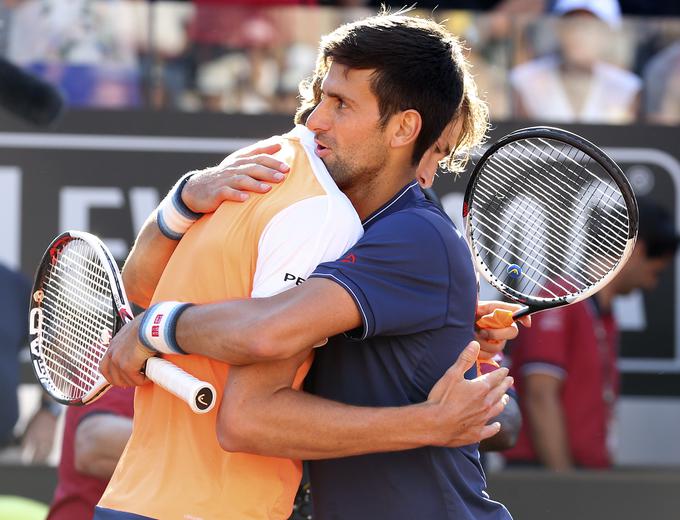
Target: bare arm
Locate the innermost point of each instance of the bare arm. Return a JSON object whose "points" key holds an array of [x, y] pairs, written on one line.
{"points": [[547, 422], [262, 414], [38, 437], [248, 170], [145, 263], [99, 442], [246, 331], [266, 329]]}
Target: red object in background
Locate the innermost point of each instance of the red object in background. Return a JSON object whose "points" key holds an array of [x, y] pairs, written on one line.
{"points": [[77, 495], [566, 341]]}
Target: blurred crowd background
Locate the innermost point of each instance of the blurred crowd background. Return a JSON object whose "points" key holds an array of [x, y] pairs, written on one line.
{"points": [[249, 57], [614, 65]]}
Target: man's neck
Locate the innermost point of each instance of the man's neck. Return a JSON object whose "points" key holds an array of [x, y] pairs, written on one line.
{"points": [[367, 199]]}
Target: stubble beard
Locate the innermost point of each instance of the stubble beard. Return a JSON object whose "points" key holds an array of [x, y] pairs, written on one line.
{"points": [[348, 175]]}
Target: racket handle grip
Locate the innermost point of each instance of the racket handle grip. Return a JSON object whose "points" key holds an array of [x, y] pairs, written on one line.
{"points": [[499, 319], [199, 395]]}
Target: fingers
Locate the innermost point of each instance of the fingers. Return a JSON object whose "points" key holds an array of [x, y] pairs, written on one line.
{"points": [[268, 146], [495, 378], [116, 376], [490, 430], [498, 334], [238, 186], [497, 393], [466, 360], [269, 167], [488, 306], [250, 177], [232, 181]]}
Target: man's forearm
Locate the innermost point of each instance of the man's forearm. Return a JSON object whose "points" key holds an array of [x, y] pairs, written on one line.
{"points": [[264, 329], [298, 425], [99, 442], [260, 413], [549, 431], [146, 262]]}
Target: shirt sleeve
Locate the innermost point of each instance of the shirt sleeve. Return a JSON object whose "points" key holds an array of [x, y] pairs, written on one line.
{"points": [[398, 275], [300, 237], [545, 344], [115, 401]]}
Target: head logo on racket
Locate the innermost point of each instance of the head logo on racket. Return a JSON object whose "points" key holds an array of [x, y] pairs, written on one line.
{"points": [[514, 271]]}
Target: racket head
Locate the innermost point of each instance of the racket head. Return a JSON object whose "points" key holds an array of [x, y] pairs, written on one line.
{"points": [[549, 217], [77, 306]]}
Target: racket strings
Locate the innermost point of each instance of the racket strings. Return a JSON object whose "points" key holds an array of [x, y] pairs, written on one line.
{"points": [[610, 198], [534, 247], [558, 177], [618, 206], [617, 220], [574, 221], [70, 299], [557, 243], [527, 274], [517, 211], [535, 251], [78, 318], [91, 302]]}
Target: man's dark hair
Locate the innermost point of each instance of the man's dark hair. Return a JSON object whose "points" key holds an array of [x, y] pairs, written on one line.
{"points": [[657, 229], [418, 65]]}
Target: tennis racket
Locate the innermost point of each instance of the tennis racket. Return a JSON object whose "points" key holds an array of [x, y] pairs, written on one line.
{"points": [[550, 220], [77, 305]]}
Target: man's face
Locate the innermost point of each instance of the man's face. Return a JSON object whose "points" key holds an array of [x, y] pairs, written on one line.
{"points": [[427, 167], [582, 36], [346, 124], [641, 271]]}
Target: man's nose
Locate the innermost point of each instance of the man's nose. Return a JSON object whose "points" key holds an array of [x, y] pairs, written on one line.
{"points": [[318, 120]]}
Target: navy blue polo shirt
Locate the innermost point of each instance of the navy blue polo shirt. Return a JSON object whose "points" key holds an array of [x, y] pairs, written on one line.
{"points": [[412, 278]]}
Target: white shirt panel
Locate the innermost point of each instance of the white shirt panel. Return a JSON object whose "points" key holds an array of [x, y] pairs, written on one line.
{"points": [[299, 238], [307, 233]]}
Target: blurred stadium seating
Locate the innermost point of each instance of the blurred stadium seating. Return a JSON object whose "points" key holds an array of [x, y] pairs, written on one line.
{"points": [[156, 88]]}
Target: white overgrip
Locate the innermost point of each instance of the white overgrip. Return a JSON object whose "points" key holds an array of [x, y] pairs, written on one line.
{"points": [[199, 395]]}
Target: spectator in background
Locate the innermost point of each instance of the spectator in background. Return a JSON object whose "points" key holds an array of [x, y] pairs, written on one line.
{"points": [[575, 84], [80, 46], [38, 436], [662, 87], [565, 365], [94, 439]]}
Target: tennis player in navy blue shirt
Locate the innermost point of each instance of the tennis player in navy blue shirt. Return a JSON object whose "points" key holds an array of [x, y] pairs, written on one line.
{"points": [[412, 277], [391, 97]]}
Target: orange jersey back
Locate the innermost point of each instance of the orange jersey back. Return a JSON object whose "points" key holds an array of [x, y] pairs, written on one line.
{"points": [[173, 466]]}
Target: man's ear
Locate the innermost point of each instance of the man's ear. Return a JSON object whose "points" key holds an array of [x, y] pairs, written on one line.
{"points": [[406, 128]]}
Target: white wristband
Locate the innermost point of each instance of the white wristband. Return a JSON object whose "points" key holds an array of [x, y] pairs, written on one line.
{"points": [[158, 326], [174, 217]]}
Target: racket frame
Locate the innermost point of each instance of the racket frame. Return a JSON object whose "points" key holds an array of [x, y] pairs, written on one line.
{"points": [[199, 395], [121, 315], [537, 304]]}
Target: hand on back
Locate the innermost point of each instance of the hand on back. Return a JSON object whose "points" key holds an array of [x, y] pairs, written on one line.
{"points": [[464, 407], [251, 169]]}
